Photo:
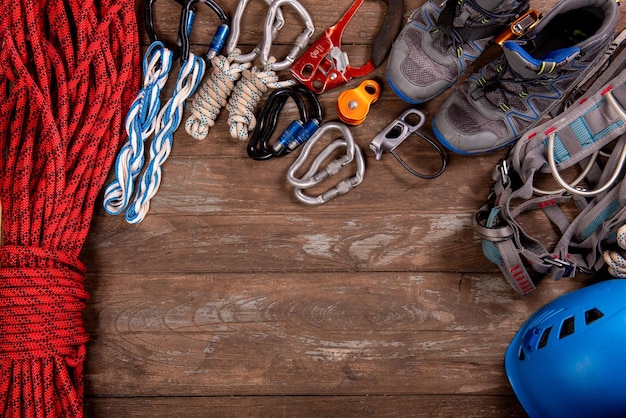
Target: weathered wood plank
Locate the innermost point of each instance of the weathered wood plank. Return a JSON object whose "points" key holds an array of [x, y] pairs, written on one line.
{"points": [[385, 333], [300, 241], [309, 406]]}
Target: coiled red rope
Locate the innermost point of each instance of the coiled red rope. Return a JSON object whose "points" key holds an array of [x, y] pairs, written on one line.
{"points": [[69, 70]]}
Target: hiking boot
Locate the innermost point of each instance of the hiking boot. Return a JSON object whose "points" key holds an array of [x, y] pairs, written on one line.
{"points": [[510, 95], [441, 39]]}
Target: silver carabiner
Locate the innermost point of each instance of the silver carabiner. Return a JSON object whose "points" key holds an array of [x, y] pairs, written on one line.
{"points": [[299, 44], [315, 175], [399, 130], [275, 26]]}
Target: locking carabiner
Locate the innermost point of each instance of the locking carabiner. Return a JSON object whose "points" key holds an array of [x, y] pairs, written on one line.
{"points": [[325, 66], [298, 132], [315, 175], [299, 44], [398, 131], [235, 31], [218, 40]]}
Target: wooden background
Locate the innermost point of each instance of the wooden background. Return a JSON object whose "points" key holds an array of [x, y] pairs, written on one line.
{"points": [[233, 299]]}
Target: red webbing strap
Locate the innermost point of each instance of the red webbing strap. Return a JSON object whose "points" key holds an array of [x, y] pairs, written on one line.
{"points": [[69, 70]]}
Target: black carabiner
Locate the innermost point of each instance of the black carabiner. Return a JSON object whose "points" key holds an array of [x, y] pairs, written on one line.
{"points": [[152, 34], [297, 132], [186, 21]]}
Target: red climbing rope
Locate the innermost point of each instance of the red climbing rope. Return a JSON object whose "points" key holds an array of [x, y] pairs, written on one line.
{"points": [[69, 70]]}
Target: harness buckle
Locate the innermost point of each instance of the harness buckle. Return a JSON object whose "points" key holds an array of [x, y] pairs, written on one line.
{"points": [[519, 26], [503, 169], [325, 66], [567, 267]]}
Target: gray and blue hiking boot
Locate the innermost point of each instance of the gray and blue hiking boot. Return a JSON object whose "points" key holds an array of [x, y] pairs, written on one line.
{"points": [[441, 39], [535, 73]]}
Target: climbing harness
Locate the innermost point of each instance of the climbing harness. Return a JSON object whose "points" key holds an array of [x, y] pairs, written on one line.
{"points": [[231, 45], [590, 133], [325, 66], [141, 118], [353, 105], [256, 81], [397, 132], [299, 44], [189, 77], [317, 174], [70, 71], [298, 132]]}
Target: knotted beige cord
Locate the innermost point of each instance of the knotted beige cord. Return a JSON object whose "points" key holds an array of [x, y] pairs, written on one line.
{"points": [[247, 94], [614, 260], [214, 93]]}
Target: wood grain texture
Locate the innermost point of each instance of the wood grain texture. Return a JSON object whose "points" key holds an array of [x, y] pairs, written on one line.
{"points": [[233, 299]]}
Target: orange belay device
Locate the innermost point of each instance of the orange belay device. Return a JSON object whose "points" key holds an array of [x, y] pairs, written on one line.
{"points": [[325, 66]]}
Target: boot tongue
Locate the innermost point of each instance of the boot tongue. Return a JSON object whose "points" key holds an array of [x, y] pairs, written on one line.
{"points": [[529, 67]]}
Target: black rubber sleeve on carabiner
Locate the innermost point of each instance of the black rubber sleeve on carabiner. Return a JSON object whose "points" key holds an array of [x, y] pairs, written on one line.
{"points": [[259, 147]]}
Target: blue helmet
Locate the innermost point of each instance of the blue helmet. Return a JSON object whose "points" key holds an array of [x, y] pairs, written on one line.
{"points": [[569, 357]]}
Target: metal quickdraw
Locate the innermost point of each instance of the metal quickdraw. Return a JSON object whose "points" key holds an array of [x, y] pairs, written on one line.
{"points": [[398, 131], [299, 44], [298, 132], [315, 175], [353, 105], [325, 66], [275, 27]]}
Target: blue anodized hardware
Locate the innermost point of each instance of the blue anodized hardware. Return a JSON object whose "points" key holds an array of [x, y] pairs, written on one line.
{"points": [[218, 41]]}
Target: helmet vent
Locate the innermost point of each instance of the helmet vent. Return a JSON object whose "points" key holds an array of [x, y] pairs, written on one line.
{"points": [[567, 327], [544, 338], [592, 315]]}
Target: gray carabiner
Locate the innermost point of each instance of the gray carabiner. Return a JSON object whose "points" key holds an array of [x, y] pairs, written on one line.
{"points": [[275, 27], [299, 44], [316, 174], [398, 131]]}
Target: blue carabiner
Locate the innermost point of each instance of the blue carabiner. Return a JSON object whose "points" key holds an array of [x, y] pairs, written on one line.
{"points": [[184, 29]]}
